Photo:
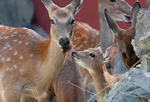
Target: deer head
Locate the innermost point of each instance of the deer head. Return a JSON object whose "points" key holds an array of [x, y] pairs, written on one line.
{"points": [[62, 20], [124, 38], [119, 9], [94, 56]]}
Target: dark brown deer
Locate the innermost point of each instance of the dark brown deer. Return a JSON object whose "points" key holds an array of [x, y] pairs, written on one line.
{"points": [[124, 38]]}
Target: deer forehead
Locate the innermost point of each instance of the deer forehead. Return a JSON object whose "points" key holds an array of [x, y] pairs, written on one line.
{"points": [[62, 15], [93, 50]]}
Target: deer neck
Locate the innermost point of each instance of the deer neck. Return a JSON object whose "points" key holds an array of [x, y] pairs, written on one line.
{"points": [[99, 80], [106, 36], [53, 61]]}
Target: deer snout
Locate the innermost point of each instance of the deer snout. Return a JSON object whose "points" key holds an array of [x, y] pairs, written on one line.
{"points": [[64, 42], [73, 53]]}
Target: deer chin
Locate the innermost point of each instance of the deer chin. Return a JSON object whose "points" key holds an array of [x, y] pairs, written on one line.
{"points": [[66, 49], [127, 19]]}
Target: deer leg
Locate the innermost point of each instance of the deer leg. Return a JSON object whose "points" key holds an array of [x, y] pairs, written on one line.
{"points": [[27, 99], [12, 94]]}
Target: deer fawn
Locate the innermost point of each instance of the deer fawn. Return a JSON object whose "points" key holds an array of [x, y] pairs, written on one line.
{"points": [[86, 37], [111, 79], [93, 60], [124, 38], [28, 61]]}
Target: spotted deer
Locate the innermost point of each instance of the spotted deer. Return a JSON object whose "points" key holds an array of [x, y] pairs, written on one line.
{"points": [[28, 61], [86, 37], [124, 38], [93, 59]]}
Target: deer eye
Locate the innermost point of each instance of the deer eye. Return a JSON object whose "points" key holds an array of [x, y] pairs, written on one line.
{"points": [[92, 55], [124, 55], [72, 22], [52, 21], [112, 0]]}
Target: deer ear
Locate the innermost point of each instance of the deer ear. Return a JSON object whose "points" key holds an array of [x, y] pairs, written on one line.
{"points": [[110, 53], [134, 12], [75, 6], [50, 6], [99, 47], [111, 23]]}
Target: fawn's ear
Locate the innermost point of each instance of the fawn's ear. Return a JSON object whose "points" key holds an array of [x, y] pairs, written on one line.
{"points": [[99, 47], [134, 12], [111, 23], [110, 53], [75, 6]]}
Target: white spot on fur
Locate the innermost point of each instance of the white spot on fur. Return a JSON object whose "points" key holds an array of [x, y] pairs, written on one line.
{"points": [[10, 48], [6, 27], [11, 69], [31, 55], [15, 40], [20, 42], [15, 32], [8, 59], [21, 71], [15, 66], [12, 35], [16, 52], [21, 57], [27, 43], [3, 59], [19, 63], [86, 29], [4, 48], [6, 37]]}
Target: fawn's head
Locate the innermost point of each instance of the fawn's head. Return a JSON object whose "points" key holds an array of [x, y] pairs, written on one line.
{"points": [[94, 56], [124, 38], [119, 9], [62, 20]]}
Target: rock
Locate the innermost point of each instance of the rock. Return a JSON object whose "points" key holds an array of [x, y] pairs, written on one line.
{"points": [[133, 86], [16, 12]]}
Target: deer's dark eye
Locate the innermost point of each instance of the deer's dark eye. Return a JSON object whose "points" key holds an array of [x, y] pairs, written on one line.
{"points": [[112, 0], [72, 22], [52, 21], [124, 55], [92, 55]]}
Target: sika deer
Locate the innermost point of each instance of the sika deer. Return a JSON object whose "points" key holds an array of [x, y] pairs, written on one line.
{"points": [[93, 60], [124, 38], [28, 61]]}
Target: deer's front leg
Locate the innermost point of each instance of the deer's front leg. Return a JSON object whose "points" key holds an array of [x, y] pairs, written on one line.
{"points": [[27, 99], [12, 94]]}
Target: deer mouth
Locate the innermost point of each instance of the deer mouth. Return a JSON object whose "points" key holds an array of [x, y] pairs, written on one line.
{"points": [[75, 56], [127, 19], [66, 49]]}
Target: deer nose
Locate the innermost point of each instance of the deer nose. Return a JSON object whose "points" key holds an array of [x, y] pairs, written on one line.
{"points": [[73, 53], [64, 42]]}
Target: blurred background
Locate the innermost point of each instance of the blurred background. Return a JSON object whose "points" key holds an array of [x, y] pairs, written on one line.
{"points": [[88, 13], [32, 14]]}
